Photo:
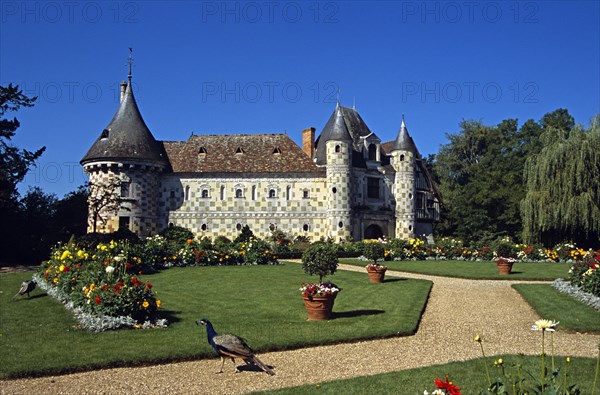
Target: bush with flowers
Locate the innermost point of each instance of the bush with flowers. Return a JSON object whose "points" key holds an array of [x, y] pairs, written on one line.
{"points": [[585, 273], [97, 284]]}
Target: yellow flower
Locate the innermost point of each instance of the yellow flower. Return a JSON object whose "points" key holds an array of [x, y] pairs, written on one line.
{"points": [[80, 254], [65, 255], [145, 304], [568, 360], [61, 268], [55, 280], [477, 339], [158, 303]]}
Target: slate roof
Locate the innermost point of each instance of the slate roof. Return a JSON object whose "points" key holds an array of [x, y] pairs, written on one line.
{"points": [[404, 141], [345, 124], [126, 138], [240, 153]]}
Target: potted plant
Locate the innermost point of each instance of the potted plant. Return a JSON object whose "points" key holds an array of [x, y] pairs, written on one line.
{"points": [[320, 259], [505, 253], [373, 250]]}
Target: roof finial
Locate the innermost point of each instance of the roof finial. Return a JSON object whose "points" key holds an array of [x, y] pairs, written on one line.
{"points": [[354, 102], [338, 96], [130, 61]]}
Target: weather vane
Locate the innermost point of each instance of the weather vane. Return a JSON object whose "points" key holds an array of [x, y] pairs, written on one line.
{"points": [[130, 61]]}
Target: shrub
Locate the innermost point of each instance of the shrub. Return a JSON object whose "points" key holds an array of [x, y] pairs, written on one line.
{"points": [[373, 250], [320, 259], [256, 252], [177, 234], [586, 273], [506, 250], [245, 235]]}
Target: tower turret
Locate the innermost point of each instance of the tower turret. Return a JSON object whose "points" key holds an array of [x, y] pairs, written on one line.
{"points": [[404, 153], [334, 150], [125, 161]]}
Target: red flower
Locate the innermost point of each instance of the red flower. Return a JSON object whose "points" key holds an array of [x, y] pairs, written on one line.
{"points": [[135, 282], [98, 300], [66, 269], [118, 287], [148, 285], [105, 287], [128, 266], [447, 386]]}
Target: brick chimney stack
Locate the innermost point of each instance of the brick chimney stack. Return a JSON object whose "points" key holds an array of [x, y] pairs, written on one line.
{"points": [[123, 88], [308, 141]]}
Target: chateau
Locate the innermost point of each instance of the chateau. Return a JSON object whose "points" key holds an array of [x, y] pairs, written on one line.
{"points": [[342, 183]]}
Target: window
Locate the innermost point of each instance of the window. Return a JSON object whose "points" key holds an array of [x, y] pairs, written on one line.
{"points": [[123, 223], [338, 148], [205, 194], [334, 190], [204, 227], [340, 224], [253, 192], [305, 194], [272, 227], [238, 227], [187, 193], [239, 193], [401, 158], [305, 227], [276, 151], [272, 193], [222, 192], [373, 188], [125, 189], [202, 153], [372, 152], [239, 151], [104, 134], [288, 192]]}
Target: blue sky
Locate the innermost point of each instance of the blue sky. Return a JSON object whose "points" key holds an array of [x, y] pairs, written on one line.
{"points": [[213, 67]]}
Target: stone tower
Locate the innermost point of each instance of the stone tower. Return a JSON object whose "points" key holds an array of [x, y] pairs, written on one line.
{"points": [[403, 160], [334, 150], [128, 160]]}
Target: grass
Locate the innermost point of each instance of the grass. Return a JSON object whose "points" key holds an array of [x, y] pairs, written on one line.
{"points": [[39, 337], [554, 305], [468, 375], [477, 270]]}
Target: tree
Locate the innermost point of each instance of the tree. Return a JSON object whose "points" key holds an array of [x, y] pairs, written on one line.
{"points": [[563, 187], [104, 198], [14, 162]]}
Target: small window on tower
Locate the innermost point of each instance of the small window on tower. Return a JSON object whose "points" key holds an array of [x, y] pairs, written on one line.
{"points": [[338, 148], [104, 134], [401, 158], [124, 223], [276, 151], [125, 188]]}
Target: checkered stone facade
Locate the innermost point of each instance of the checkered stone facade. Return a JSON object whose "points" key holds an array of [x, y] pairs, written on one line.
{"points": [[139, 202], [404, 192], [221, 204], [339, 186]]}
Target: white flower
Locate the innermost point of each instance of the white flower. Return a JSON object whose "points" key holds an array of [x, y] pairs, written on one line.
{"points": [[544, 325], [109, 269]]}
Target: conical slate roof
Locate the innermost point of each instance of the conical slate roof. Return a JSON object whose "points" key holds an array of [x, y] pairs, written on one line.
{"points": [[403, 141], [335, 129], [126, 138]]}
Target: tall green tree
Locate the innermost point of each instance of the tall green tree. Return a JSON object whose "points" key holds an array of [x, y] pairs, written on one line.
{"points": [[480, 175], [14, 162], [563, 187]]}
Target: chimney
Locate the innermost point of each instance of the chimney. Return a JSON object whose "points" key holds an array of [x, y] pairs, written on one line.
{"points": [[308, 141], [123, 87]]}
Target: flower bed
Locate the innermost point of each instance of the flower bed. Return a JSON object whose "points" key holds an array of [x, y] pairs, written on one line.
{"points": [[99, 288]]}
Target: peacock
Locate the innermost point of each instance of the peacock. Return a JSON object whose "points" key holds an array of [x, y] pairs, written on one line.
{"points": [[26, 288], [232, 346]]}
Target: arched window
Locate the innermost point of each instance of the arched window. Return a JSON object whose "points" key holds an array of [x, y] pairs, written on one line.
{"points": [[187, 193], [272, 193], [305, 227], [253, 192], [288, 192], [401, 158], [222, 192], [239, 193], [338, 148], [205, 193], [305, 194]]}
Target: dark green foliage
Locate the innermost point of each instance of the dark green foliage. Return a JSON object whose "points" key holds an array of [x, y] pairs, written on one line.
{"points": [[177, 234], [320, 259], [373, 251], [245, 235], [506, 250], [480, 176]]}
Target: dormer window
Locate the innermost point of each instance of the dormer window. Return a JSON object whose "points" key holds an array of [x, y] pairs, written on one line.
{"points": [[272, 193], [104, 134], [276, 151], [372, 152], [239, 151], [202, 152]]}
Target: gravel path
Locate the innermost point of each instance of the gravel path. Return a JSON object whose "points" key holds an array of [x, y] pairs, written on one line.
{"points": [[457, 310]]}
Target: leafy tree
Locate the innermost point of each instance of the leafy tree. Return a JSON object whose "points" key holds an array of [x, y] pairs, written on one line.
{"points": [[71, 212], [563, 187], [14, 162]]}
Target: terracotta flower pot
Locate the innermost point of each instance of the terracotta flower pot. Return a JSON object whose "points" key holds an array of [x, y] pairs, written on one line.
{"points": [[376, 275], [319, 308], [504, 267]]}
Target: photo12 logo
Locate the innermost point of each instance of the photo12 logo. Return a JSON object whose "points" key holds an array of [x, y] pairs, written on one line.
{"points": [[470, 92], [56, 172], [71, 91], [268, 92], [470, 11], [269, 11], [69, 11]]}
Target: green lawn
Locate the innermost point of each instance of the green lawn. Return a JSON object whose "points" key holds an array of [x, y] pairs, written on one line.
{"points": [[261, 303], [469, 376], [477, 270], [554, 305]]}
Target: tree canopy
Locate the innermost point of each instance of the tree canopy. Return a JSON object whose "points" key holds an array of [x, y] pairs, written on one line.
{"points": [[562, 200]]}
